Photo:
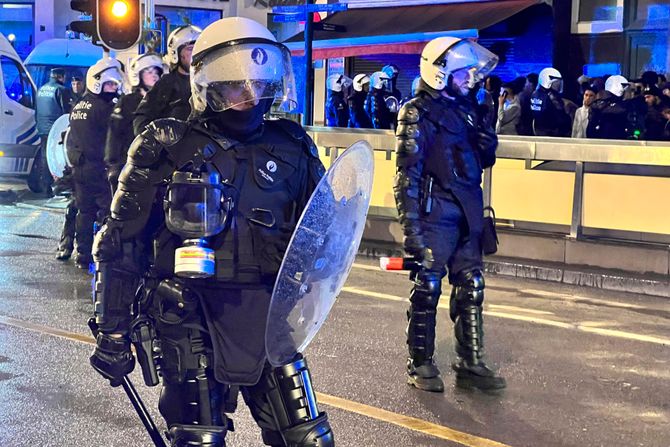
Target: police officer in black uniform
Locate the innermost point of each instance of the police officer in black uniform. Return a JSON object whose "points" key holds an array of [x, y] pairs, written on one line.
{"points": [[236, 186], [546, 104], [89, 121], [170, 96], [337, 112], [356, 102], [441, 150], [393, 71], [610, 113], [53, 100], [375, 103], [143, 72]]}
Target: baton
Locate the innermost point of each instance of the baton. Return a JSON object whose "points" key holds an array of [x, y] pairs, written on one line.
{"points": [[136, 400]]}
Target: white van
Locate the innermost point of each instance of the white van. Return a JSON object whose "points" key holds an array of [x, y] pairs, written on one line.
{"points": [[19, 141], [73, 55]]}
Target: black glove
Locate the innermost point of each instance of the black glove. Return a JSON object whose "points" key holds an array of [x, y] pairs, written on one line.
{"points": [[112, 358], [415, 247], [487, 143]]}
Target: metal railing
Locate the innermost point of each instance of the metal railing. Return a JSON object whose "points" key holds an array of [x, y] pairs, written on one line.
{"points": [[579, 156]]}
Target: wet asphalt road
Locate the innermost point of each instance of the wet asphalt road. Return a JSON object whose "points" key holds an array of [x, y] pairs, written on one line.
{"points": [[584, 368]]}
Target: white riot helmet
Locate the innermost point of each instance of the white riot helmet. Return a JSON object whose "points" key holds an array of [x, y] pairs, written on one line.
{"points": [[182, 36], [238, 61], [550, 78], [443, 56], [380, 81], [616, 85], [335, 82], [142, 62], [360, 80], [106, 69]]}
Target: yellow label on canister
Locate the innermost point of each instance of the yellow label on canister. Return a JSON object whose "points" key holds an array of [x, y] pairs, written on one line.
{"points": [[194, 262]]}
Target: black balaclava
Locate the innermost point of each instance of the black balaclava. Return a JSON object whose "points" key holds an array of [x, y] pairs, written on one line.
{"points": [[241, 124], [108, 96]]}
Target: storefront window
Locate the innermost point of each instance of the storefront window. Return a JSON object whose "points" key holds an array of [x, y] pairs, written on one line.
{"points": [[16, 20], [597, 16], [177, 17]]}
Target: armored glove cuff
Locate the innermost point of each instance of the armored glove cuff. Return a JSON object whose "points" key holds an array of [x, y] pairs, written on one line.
{"points": [[112, 358]]}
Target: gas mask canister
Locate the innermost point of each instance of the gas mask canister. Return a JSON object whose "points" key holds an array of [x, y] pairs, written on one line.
{"points": [[197, 206]]}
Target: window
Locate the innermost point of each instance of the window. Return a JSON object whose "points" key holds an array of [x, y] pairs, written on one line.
{"points": [[597, 16], [17, 83]]}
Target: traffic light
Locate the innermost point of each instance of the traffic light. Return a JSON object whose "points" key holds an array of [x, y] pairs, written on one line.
{"points": [[119, 25], [87, 27]]}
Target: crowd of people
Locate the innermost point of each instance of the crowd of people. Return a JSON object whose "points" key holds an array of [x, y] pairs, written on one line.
{"points": [[608, 107]]}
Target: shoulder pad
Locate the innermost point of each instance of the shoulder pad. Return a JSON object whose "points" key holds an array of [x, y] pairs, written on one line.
{"points": [[146, 148], [167, 131], [412, 110], [297, 132]]}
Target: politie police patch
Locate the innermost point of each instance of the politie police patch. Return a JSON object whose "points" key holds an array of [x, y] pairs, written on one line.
{"points": [[259, 56]]}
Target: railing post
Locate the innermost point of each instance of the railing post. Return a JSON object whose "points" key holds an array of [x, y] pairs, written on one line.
{"points": [[577, 202], [488, 178]]}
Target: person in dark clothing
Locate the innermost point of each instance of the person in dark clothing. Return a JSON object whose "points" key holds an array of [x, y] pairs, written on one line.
{"points": [[78, 88], [442, 147], [143, 73], [610, 114], [654, 123], [89, 122], [356, 102], [392, 71], [53, 100], [526, 118], [337, 112], [549, 116], [375, 103], [665, 111], [65, 186], [493, 85], [210, 318], [170, 96]]}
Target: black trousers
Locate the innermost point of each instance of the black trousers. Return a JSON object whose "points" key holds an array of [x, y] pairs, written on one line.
{"points": [[92, 199]]}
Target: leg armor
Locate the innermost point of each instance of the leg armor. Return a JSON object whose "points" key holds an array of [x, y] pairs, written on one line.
{"points": [[465, 309], [66, 244], [192, 402], [284, 407], [421, 331]]}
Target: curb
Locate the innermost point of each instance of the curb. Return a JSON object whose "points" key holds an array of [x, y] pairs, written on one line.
{"points": [[565, 274]]}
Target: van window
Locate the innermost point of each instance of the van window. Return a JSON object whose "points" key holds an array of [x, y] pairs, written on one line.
{"points": [[17, 83]]}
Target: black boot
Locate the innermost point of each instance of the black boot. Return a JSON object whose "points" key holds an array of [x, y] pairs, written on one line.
{"points": [[422, 372], [466, 311]]}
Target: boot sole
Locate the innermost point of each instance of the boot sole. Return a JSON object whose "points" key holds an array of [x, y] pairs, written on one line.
{"points": [[423, 387], [470, 383]]}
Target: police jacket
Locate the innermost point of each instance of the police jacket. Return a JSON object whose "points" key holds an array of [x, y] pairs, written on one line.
{"points": [[53, 100], [169, 97], [441, 139], [120, 134], [337, 114], [377, 110], [357, 116], [89, 122], [549, 116], [609, 118]]}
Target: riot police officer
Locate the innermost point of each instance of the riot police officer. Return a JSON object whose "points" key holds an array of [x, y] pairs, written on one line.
{"points": [[549, 116], [53, 100], [392, 71], [337, 113], [236, 186], [170, 96], [357, 116], [375, 103], [609, 114], [441, 149], [89, 121], [143, 72]]}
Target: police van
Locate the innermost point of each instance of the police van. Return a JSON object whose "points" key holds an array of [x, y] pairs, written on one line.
{"points": [[19, 141], [75, 56]]}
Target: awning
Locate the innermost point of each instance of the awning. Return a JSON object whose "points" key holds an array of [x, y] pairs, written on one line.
{"points": [[404, 29]]}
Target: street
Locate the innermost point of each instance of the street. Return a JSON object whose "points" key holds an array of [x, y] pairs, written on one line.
{"points": [[584, 367]]}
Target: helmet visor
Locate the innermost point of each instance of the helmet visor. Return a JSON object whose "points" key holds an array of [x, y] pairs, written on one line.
{"points": [[240, 76], [470, 55]]}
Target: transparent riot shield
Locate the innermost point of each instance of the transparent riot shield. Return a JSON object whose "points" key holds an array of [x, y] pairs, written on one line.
{"points": [[320, 254], [56, 154]]}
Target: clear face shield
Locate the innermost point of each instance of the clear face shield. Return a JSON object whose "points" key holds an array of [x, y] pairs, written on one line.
{"points": [[470, 56], [556, 84], [240, 76]]}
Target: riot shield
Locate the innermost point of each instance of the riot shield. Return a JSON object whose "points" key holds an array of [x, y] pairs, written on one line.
{"points": [[320, 254], [56, 154]]}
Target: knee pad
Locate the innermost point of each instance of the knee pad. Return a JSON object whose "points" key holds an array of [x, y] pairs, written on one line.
{"points": [[197, 435], [469, 288], [426, 291]]}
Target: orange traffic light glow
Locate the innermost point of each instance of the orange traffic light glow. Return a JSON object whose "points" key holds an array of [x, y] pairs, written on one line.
{"points": [[119, 8]]}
